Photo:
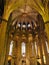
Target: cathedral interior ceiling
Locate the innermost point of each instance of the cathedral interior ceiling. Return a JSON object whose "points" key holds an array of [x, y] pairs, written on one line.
{"points": [[41, 6], [30, 7]]}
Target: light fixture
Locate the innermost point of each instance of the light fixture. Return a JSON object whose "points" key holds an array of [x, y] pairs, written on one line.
{"points": [[24, 26], [18, 25], [29, 25]]}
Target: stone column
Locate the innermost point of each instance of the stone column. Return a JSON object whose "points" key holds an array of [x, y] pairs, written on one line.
{"points": [[7, 51], [41, 54], [35, 56], [19, 51], [43, 41], [30, 49], [27, 49], [3, 43], [29, 45], [39, 44], [47, 31], [32, 53], [3, 36]]}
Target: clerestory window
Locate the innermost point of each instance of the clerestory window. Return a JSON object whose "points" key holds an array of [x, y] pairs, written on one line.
{"points": [[11, 47], [23, 49]]}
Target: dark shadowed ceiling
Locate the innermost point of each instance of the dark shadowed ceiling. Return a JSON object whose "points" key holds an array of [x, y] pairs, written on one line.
{"points": [[1, 7]]}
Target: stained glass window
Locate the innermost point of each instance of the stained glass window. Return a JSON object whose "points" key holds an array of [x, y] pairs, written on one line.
{"points": [[23, 49], [11, 47]]}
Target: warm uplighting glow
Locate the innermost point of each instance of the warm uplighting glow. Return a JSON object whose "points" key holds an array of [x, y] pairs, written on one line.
{"points": [[36, 47], [9, 57], [47, 46], [44, 59], [39, 60]]}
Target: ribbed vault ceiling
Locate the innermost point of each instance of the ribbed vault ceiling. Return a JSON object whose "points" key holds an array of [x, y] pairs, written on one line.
{"points": [[41, 6], [27, 6]]}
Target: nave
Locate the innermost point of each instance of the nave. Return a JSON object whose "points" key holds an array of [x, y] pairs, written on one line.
{"points": [[24, 32]]}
